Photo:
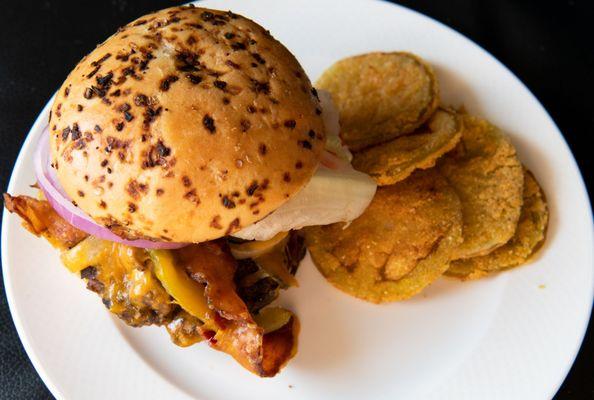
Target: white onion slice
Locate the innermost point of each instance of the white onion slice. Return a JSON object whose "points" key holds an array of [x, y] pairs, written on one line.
{"points": [[58, 199], [335, 193], [332, 195], [255, 249], [332, 126]]}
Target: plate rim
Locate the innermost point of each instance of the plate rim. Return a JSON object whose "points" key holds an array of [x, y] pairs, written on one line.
{"points": [[6, 273], [16, 318]]}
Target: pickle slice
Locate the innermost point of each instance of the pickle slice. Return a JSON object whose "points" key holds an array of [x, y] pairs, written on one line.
{"points": [[188, 293]]}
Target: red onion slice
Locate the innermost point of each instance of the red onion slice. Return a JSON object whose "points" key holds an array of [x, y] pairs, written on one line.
{"points": [[58, 199], [332, 161]]}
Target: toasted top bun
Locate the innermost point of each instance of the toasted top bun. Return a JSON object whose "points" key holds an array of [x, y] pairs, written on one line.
{"points": [[186, 125]]}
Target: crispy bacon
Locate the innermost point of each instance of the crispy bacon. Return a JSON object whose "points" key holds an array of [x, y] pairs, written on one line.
{"points": [[231, 328], [40, 219], [212, 264], [235, 332], [263, 354], [279, 347]]}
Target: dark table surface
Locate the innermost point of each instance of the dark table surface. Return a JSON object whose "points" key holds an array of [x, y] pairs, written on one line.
{"points": [[547, 44]]}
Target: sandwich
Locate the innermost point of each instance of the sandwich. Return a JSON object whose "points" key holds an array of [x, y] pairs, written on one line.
{"points": [[180, 160]]}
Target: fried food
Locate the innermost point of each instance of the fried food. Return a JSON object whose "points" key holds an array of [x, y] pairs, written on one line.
{"points": [[398, 246], [487, 176], [464, 271], [529, 237], [394, 161], [380, 96]]}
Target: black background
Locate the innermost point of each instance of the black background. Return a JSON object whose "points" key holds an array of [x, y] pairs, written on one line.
{"points": [[547, 44]]}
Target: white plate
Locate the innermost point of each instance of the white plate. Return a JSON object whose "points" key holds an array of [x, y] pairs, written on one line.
{"points": [[513, 336]]}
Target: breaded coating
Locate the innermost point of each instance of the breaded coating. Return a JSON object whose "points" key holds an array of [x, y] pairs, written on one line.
{"points": [[487, 175], [398, 246], [529, 237], [395, 160], [380, 96]]}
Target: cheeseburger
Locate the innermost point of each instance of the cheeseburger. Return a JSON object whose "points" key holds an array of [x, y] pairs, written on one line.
{"points": [[181, 157]]}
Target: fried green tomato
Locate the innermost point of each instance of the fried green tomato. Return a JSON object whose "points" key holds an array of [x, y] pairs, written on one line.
{"points": [[464, 271], [398, 246], [529, 237], [487, 175], [380, 96], [395, 160]]}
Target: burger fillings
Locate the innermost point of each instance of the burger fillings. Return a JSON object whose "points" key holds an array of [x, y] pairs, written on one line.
{"points": [[172, 145]]}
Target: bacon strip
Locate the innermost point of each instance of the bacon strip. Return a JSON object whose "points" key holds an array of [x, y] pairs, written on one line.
{"points": [[279, 347], [40, 219], [234, 330], [259, 353], [212, 264]]}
